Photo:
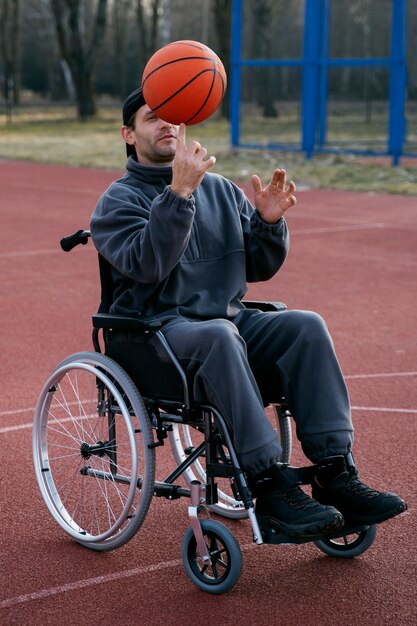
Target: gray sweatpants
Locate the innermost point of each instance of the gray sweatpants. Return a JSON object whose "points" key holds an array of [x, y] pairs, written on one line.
{"points": [[237, 364]]}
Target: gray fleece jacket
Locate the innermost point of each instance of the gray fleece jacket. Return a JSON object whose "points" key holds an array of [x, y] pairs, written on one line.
{"points": [[175, 256]]}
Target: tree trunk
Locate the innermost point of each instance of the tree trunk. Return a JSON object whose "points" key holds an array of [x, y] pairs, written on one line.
{"points": [[148, 28], [84, 92], [264, 77], [70, 22], [10, 48], [223, 19]]}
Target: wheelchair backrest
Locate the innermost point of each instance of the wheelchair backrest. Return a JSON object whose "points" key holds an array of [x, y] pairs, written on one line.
{"points": [[106, 283]]}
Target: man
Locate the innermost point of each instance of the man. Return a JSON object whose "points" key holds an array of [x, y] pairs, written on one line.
{"points": [[183, 243]]}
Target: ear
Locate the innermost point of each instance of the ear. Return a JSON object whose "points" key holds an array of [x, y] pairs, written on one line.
{"points": [[127, 134]]}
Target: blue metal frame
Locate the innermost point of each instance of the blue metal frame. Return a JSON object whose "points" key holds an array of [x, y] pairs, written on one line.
{"points": [[398, 80], [315, 65]]}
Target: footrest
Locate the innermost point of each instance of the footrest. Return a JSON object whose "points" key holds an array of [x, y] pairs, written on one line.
{"points": [[275, 536], [344, 531]]}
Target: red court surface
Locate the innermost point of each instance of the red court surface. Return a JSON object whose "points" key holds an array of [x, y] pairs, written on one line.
{"points": [[353, 260]]}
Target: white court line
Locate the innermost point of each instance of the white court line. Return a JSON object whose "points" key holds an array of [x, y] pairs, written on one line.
{"points": [[336, 229], [98, 580], [299, 215], [14, 411], [350, 376], [89, 582], [382, 409], [12, 429], [388, 375], [8, 429], [11, 255], [25, 253], [39, 187], [32, 409]]}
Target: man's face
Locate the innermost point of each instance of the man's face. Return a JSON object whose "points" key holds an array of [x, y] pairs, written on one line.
{"points": [[155, 140]]}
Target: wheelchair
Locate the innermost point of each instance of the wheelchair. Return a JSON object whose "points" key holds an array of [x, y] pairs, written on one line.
{"points": [[99, 421]]}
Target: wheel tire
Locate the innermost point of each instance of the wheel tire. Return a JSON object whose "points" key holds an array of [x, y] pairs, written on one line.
{"points": [[183, 436], [90, 422], [226, 568], [348, 546]]}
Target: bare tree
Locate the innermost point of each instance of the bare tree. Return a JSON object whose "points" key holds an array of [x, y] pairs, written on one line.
{"points": [[147, 18], [10, 47], [223, 20], [262, 16], [121, 11], [80, 54]]}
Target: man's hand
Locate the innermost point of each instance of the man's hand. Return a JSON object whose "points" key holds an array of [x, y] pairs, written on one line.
{"points": [[189, 165], [273, 200]]}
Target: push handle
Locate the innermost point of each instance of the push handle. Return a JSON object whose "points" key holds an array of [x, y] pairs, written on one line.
{"points": [[80, 237]]}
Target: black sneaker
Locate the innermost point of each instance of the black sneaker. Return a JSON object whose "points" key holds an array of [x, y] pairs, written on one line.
{"points": [[286, 508], [359, 504]]}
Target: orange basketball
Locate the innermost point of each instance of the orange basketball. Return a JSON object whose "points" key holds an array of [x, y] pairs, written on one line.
{"points": [[184, 81]]}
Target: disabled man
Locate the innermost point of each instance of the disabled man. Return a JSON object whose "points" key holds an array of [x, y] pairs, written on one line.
{"points": [[182, 244]]}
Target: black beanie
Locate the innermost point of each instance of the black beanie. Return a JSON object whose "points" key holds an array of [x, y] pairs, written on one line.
{"points": [[132, 103]]}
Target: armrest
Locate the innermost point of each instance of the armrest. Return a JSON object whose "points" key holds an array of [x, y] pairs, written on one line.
{"points": [[124, 322], [265, 306]]}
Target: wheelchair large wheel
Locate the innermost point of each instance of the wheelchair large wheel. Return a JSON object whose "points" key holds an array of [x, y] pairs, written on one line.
{"points": [[226, 558], [93, 464], [184, 438], [350, 545]]}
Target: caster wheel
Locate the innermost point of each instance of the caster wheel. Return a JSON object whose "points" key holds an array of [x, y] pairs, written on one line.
{"points": [[226, 558], [349, 545]]}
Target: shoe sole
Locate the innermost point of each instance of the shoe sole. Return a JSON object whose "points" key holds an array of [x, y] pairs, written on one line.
{"points": [[313, 529], [374, 519]]}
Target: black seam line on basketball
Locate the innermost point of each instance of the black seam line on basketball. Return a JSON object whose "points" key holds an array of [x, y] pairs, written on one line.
{"points": [[183, 87], [191, 45], [178, 61], [205, 101], [223, 85], [215, 73]]}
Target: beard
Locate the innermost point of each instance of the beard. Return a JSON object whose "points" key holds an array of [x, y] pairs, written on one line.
{"points": [[157, 153], [165, 154]]}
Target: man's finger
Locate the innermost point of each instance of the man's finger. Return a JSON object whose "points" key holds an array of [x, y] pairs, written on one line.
{"points": [[256, 183], [195, 146], [181, 134], [282, 179], [276, 176], [209, 162], [292, 188], [279, 179], [202, 152]]}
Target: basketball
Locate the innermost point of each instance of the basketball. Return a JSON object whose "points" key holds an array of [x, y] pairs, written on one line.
{"points": [[184, 81]]}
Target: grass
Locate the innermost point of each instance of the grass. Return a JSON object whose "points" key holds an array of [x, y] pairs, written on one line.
{"points": [[56, 136]]}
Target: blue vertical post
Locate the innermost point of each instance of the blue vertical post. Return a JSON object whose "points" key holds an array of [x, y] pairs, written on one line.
{"points": [[235, 79], [323, 71], [310, 75], [397, 85]]}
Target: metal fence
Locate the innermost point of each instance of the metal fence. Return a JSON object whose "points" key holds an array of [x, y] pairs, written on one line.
{"points": [[323, 101]]}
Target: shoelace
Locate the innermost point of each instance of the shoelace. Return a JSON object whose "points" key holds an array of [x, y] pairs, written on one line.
{"points": [[296, 498], [358, 488]]}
